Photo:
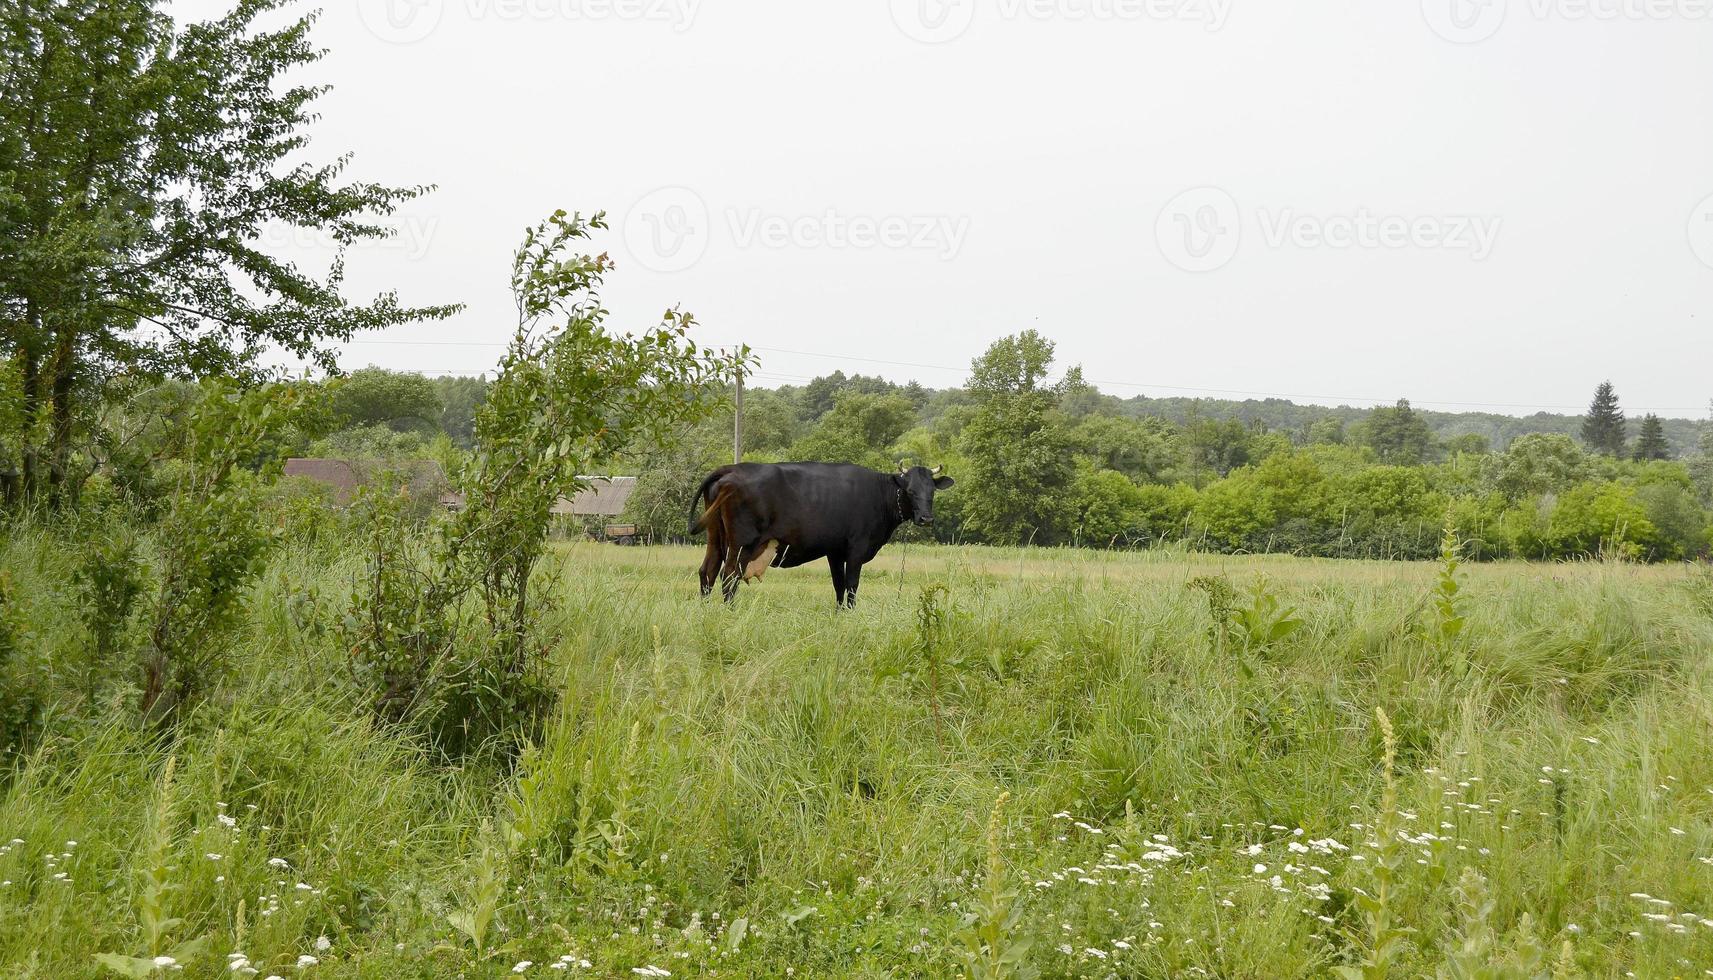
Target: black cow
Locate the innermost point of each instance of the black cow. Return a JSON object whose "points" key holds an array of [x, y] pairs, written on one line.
{"points": [[781, 515]]}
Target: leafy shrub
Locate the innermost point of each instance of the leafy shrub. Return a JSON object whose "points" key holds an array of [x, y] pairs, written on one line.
{"points": [[109, 578], [213, 543], [571, 396], [22, 697]]}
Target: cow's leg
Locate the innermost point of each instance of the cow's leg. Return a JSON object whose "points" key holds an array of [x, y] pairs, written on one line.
{"points": [[853, 578], [710, 565], [837, 564], [731, 548]]}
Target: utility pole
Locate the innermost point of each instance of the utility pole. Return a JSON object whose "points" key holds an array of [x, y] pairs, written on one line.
{"points": [[737, 420]]}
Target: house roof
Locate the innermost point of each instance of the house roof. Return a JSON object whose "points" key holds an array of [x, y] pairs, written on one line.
{"points": [[605, 496], [345, 476]]}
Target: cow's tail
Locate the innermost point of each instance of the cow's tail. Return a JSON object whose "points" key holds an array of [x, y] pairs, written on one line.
{"points": [[697, 517]]}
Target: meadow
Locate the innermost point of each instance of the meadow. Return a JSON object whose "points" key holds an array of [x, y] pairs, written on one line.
{"points": [[1060, 764]]}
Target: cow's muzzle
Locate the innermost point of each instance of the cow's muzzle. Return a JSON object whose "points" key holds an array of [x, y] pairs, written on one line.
{"points": [[924, 521]]}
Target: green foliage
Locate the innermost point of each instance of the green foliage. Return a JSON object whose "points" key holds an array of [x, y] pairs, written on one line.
{"points": [[1398, 435], [1448, 587], [460, 398], [1651, 443], [930, 642], [155, 891], [995, 946], [398, 630], [1246, 630], [1265, 621], [1603, 428], [668, 474], [109, 577], [1016, 447], [1479, 954], [1107, 508], [1701, 462], [140, 162], [398, 400], [771, 770], [571, 396], [1540, 464], [23, 677], [1215, 447], [1144, 450], [860, 428], [213, 543], [1385, 938], [487, 881], [366, 442]]}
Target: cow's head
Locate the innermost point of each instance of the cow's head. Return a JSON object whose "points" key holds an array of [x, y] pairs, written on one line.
{"points": [[916, 487]]}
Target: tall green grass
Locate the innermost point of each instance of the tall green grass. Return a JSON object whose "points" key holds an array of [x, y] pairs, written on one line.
{"points": [[774, 789]]}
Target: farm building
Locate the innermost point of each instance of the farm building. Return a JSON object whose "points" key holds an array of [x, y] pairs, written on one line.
{"points": [[605, 496], [344, 477]]}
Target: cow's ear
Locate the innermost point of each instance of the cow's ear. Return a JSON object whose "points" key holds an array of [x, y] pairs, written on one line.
{"points": [[944, 483]]}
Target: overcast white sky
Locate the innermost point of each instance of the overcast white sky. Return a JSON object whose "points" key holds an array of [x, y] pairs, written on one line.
{"points": [[1470, 203]]}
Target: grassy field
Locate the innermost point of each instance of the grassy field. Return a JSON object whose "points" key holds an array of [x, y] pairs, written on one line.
{"points": [[1065, 762]]}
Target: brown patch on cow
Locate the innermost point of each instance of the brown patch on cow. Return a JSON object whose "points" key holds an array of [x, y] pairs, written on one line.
{"points": [[760, 562]]}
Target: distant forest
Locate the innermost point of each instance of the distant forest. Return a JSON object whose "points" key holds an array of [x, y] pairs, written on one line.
{"points": [[1059, 462]]}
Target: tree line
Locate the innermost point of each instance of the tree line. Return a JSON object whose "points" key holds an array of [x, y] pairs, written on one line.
{"points": [[1061, 463]]}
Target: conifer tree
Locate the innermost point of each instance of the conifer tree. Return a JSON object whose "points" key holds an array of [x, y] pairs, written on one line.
{"points": [[1603, 426], [1651, 442]]}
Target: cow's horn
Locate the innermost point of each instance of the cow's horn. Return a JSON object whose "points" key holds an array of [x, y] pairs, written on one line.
{"points": [[936, 470], [902, 468]]}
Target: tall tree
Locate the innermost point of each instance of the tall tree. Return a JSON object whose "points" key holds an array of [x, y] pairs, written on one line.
{"points": [[860, 429], [1016, 444], [403, 401], [1650, 441], [1398, 435], [461, 398], [1603, 427], [140, 162]]}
